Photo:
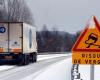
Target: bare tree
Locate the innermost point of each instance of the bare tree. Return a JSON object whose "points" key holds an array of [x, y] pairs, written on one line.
{"points": [[15, 10], [3, 12], [55, 31], [19, 11]]}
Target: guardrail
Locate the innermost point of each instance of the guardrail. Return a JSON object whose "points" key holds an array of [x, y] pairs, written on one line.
{"points": [[75, 75]]}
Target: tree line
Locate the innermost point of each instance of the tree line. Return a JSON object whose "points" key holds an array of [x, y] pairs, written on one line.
{"points": [[55, 41]]}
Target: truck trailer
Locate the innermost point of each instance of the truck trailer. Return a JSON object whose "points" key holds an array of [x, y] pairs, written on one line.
{"points": [[18, 43]]}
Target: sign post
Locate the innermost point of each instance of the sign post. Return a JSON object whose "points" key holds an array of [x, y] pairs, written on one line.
{"points": [[87, 48], [92, 72]]}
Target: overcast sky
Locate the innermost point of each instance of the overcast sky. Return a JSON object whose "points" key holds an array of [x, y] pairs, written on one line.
{"points": [[67, 15]]}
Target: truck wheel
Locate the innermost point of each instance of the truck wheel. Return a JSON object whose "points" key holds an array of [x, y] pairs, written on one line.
{"points": [[24, 60], [34, 57]]}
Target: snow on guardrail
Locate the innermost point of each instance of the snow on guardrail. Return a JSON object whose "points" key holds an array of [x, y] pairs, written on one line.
{"points": [[75, 75]]}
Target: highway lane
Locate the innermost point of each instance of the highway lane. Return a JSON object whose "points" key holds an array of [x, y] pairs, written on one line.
{"points": [[40, 57], [33, 69]]}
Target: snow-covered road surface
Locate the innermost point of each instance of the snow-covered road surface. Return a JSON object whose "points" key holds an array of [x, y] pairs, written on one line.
{"points": [[40, 57], [44, 57], [58, 71], [46, 68], [6, 67]]}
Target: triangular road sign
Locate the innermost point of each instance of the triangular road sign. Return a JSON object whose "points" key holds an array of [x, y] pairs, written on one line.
{"points": [[89, 40]]}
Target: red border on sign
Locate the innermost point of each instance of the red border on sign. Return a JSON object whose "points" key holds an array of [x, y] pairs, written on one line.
{"points": [[82, 35]]}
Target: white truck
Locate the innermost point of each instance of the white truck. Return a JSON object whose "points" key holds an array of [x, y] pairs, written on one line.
{"points": [[18, 43]]}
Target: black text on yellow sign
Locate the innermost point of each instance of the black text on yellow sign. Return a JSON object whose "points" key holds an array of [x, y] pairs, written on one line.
{"points": [[86, 58]]}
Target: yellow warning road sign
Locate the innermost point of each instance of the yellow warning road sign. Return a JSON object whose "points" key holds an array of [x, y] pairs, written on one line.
{"points": [[87, 48]]}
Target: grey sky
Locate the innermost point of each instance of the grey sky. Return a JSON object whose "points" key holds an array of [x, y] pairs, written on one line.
{"points": [[67, 15]]}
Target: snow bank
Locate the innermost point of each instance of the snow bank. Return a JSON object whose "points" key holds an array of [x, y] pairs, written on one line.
{"points": [[97, 72], [84, 71]]}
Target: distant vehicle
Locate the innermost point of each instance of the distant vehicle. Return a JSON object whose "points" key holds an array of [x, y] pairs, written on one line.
{"points": [[18, 43]]}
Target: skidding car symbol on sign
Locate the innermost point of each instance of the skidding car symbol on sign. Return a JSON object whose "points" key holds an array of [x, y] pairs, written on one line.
{"points": [[87, 48], [93, 37]]}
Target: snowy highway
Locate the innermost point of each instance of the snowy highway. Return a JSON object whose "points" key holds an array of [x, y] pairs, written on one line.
{"points": [[48, 67]]}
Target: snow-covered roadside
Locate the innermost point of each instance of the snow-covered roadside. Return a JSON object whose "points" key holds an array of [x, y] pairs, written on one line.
{"points": [[43, 57], [84, 71], [97, 72], [58, 71]]}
